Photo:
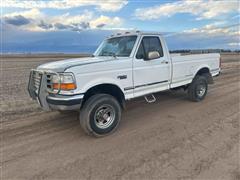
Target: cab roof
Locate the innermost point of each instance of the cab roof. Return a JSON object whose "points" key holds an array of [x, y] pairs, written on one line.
{"points": [[130, 33]]}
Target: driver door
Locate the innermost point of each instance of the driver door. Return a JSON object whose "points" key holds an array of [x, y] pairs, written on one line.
{"points": [[150, 75]]}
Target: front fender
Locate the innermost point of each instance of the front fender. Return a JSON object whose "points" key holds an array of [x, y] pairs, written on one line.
{"points": [[100, 81]]}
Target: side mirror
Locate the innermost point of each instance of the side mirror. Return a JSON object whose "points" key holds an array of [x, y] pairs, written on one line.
{"points": [[153, 55]]}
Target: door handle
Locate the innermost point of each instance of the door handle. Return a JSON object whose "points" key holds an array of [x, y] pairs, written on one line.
{"points": [[122, 77], [164, 62]]}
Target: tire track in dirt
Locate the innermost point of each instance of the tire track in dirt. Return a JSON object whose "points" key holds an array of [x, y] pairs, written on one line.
{"points": [[151, 135], [170, 139]]}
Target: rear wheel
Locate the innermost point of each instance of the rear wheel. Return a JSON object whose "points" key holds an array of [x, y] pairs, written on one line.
{"points": [[100, 115], [197, 90]]}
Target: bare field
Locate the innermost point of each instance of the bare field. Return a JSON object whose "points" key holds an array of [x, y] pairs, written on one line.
{"points": [[170, 139]]}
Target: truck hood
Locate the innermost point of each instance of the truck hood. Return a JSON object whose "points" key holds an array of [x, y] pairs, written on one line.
{"points": [[62, 65]]}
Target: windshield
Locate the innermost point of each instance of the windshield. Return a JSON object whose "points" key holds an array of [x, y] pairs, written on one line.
{"points": [[118, 46]]}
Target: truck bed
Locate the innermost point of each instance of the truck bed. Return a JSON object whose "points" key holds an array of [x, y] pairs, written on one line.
{"points": [[185, 66]]}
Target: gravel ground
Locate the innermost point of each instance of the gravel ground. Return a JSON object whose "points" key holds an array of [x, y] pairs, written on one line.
{"points": [[172, 138]]}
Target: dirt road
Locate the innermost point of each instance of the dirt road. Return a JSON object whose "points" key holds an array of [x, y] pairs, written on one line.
{"points": [[170, 139]]}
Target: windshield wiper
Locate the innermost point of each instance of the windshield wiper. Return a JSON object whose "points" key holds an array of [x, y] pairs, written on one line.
{"points": [[113, 54], [105, 53]]}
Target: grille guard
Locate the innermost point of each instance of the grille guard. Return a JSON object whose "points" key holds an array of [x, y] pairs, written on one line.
{"points": [[31, 87], [43, 90]]}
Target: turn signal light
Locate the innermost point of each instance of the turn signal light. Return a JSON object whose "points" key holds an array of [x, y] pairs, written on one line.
{"points": [[64, 86]]}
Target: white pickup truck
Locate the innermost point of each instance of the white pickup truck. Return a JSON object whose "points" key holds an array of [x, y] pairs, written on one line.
{"points": [[125, 66]]}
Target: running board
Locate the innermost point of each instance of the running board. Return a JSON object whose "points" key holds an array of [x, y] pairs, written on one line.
{"points": [[150, 98]]}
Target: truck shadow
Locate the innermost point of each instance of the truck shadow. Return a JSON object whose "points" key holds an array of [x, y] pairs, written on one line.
{"points": [[161, 98], [133, 111]]}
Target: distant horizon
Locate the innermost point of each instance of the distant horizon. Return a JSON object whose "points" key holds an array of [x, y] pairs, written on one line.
{"points": [[71, 45], [89, 52]]}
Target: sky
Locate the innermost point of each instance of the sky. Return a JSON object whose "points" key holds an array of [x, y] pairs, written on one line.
{"points": [[77, 26]]}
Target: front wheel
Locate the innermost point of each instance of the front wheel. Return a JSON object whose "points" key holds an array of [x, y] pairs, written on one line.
{"points": [[197, 90], [100, 115]]}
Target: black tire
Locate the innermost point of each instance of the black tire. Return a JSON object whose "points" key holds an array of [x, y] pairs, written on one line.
{"points": [[92, 114], [197, 90]]}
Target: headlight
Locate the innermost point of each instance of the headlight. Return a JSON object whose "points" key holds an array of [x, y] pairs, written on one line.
{"points": [[64, 82]]}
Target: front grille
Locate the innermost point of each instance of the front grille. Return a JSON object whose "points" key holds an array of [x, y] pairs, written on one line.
{"points": [[49, 82], [37, 77]]}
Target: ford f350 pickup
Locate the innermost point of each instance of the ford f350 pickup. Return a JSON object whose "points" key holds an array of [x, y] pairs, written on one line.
{"points": [[125, 66]]}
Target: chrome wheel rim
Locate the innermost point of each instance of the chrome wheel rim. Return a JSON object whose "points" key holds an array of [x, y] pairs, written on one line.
{"points": [[104, 116], [201, 89]]}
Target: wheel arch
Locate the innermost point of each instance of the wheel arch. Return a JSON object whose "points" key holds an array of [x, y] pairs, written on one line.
{"points": [[106, 88], [205, 71]]}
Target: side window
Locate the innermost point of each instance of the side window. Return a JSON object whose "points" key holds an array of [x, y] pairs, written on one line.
{"points": [[149, 43], [140, 53]]}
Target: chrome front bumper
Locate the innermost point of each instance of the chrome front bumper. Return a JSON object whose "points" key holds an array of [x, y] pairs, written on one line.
{"points": [[49, 101], [60, 102]]}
